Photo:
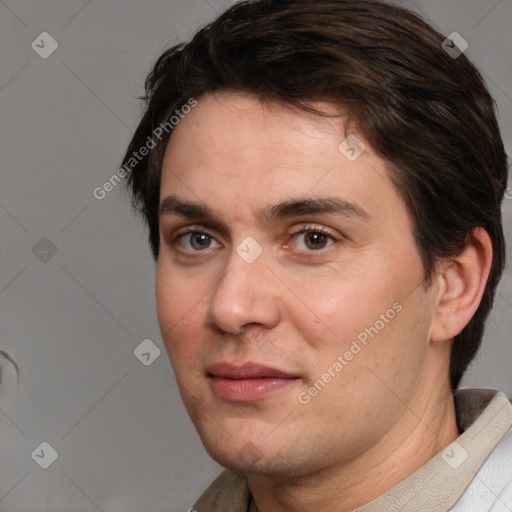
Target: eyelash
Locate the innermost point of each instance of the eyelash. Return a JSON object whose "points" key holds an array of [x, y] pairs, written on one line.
{"points": [[304, 229]]}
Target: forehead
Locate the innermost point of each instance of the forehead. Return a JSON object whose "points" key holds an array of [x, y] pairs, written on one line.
{"points": [[223, 123], [234, 149]]}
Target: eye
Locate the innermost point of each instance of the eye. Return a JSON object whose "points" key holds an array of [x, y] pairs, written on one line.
{"points": [[196, 240], [311, 239], [315, 238]]}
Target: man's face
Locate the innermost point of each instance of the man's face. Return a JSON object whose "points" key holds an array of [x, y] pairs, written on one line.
{"points": [[332, 287]]}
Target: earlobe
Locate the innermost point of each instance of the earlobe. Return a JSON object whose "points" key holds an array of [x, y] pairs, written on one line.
{"points": [[461, 286]]}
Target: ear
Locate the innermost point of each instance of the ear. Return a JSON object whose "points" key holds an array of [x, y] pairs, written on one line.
{"points": [[461, 284]]}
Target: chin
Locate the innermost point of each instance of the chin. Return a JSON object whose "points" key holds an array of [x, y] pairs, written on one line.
{"points": [[252, 459]]}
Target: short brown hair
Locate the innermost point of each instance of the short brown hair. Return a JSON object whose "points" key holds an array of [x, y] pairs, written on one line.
{"points": [[427, 114]]}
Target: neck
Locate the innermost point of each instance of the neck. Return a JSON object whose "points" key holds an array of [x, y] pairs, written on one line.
{"points": [[427, 426]]}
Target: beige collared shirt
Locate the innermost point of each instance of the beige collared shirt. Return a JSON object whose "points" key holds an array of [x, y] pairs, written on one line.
{"points": [[473, 474]]}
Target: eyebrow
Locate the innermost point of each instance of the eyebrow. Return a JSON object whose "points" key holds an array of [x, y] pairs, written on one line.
{"points": [[173, 205]]}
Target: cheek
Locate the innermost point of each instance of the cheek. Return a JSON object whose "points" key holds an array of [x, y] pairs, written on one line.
{"points": [[338, 311], [177, 313], [372, 324]]}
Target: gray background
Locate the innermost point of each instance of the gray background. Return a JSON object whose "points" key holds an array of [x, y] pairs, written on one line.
{"points": [[72, 322]]}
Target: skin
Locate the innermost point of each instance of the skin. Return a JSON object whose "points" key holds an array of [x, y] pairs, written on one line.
{"points": [[298, 307]]}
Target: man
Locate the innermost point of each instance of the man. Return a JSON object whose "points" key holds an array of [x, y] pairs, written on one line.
{"points": [[322, 183]]}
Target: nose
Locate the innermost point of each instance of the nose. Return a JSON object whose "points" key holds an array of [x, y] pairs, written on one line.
{"points": [[247, 293]]}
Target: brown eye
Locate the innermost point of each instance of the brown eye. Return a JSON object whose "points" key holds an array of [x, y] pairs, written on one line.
{"points": [[195, 241], [314, 239], [200, 241]]}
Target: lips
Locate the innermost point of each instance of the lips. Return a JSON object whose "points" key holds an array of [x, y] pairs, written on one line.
{"points": [[250, 382], [247, 371]]}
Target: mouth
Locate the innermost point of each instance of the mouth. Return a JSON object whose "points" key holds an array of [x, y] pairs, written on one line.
{"points": [[250, 382]]}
